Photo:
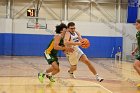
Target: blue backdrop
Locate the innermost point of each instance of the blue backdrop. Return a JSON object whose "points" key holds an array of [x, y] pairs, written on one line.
{"points": [[34, 45], [132, 11]]}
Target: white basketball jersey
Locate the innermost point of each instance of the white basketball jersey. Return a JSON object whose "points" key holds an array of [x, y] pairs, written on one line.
{"points": [[74, 37], [77, 53]]}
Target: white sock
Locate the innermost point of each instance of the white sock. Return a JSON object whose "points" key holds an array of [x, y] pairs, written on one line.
{"points": [[70, 72], [97, 75]]}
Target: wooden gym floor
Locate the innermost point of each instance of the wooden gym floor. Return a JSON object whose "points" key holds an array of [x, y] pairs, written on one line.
{"points": [[19, 75]]}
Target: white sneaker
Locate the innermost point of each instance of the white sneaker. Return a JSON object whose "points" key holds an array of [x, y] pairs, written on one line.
{"points": [[99, 79], [71, 75]]}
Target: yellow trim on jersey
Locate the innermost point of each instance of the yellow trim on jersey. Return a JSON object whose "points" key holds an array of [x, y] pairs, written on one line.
{"points": [[49, 49]]}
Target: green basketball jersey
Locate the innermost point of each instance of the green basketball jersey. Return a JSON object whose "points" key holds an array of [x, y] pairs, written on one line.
{"points": [[137, 56], [138, 40], [50, 50]]}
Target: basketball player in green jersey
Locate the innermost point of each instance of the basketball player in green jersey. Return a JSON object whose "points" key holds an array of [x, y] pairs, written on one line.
{"points": [[137, 50], [51, 53]]}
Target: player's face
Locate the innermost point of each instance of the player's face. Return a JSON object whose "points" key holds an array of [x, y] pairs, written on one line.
{"points": [[137, 26], [63, 31], [71, 28]]}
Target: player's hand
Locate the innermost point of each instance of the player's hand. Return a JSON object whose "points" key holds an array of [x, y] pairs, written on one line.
{"points": [[82, 42], [79, 43], [69, 49], [132, 53]]}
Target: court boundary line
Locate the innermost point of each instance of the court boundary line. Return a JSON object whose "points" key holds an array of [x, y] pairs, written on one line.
{"points": [[104, 88]]}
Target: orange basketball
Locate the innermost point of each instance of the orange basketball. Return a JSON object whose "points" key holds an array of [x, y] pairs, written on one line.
{"points": [[85, 43]]}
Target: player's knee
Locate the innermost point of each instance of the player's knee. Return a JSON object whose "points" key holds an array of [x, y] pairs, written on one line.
{"points": [[135, 65], [57, 70], [74, 67], [87, 62]]}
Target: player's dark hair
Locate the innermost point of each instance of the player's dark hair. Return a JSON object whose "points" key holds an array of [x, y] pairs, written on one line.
{"points": [[71, 24], [60, 27], [138, 20]]}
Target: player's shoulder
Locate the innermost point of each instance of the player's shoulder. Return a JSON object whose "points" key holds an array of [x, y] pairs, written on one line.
{"points": [[77, 32], [57, 36], [67, 32]]}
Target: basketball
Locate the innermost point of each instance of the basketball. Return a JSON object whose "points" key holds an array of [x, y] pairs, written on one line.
{"points": [[85, 43]]}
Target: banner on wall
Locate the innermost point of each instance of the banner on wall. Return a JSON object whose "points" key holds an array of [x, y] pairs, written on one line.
{"points": [[133, 3], [132, 11]]}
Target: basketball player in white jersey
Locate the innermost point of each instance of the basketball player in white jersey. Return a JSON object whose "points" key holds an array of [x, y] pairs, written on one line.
{"points": [[72, 39]]}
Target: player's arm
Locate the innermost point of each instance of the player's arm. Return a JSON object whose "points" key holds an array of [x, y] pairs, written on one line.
{"points": [[57, 39], [135, 50], [67, 40], [79, 35]]}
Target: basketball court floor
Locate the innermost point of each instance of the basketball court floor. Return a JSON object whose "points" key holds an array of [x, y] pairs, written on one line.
{"points": [[19, 75]]}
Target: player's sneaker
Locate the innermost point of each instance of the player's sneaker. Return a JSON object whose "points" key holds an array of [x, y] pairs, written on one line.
{"points": [[71, 75], [51, 78], [99, 79], [41, 77]]}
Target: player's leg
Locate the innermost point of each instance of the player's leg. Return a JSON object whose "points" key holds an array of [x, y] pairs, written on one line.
{"points": [[42, 75], [55, 66], [71, 70], [49, 70], [53, 61], [73, 60], [137, 66], [55, 70], [86, 61]]}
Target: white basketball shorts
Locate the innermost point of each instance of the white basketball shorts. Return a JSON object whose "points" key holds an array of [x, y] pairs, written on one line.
{"points": [[74, 57]]}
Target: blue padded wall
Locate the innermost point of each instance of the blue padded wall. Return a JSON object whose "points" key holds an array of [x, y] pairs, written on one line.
{"points": [[34, 45]]}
